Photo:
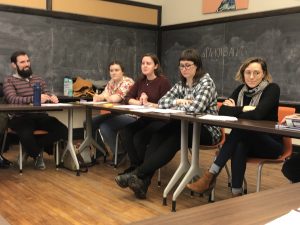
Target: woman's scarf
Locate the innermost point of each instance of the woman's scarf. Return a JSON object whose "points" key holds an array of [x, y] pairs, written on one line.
{"points": [[254, 93]]}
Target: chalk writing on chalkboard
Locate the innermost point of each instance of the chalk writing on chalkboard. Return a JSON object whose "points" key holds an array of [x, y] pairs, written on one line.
{"points": [[225, 45]]}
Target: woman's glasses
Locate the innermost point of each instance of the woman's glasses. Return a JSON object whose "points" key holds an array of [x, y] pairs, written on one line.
{"points": [[185, 66]]}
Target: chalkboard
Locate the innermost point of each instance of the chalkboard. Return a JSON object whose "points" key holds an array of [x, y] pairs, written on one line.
{"points": [[61, 47], [224, 46]]}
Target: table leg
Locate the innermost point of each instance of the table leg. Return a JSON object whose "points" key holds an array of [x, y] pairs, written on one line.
{"points": [[184, 163], [194, 169], [70, 146], [89, 140]]}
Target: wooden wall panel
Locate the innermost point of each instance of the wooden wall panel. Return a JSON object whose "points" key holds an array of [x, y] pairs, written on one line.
{"points": [[109, 10], [36, 4]]}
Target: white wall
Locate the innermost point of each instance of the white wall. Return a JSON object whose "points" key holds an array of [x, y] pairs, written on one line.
{"points": [[184, 11]]}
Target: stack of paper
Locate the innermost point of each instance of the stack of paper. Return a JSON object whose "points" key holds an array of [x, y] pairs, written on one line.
{"points": [[293, 120], [291, 218], [217, 117]]}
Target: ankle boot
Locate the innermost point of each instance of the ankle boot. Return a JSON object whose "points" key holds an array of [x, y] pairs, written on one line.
{"points": [[123, 179], [205, 184], [139, 186]]}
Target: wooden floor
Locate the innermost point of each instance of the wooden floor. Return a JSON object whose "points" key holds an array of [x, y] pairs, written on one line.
{"points": [[60, 197]]}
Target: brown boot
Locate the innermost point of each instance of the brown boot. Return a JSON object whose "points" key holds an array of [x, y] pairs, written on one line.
{"points": [[205, 184]]}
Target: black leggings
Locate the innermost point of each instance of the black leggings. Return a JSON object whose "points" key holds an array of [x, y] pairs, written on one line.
{"points": [[241, 144], [163, 146], [291, 168], [136, 136]]}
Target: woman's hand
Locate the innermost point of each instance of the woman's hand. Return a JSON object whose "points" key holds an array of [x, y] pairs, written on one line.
{"points": [[133, 101], [151, 105], [183, 102], [144, 99], [248, 108], [229, 102], [98, 98]]}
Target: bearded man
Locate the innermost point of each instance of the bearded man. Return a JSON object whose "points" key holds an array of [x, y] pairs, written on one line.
{"points": [[18, 89]]}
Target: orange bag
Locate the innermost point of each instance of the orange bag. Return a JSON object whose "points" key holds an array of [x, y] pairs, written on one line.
{"points": [[82, 88]]}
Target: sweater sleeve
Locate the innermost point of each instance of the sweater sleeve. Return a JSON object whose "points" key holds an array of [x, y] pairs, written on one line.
{"points": [[165, 86], [268, 103], [11, 95], [132, 93], [229, 110], [169, 99]]}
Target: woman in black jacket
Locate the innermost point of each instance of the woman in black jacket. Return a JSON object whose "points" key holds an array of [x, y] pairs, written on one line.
{"points": [[256, 99]]}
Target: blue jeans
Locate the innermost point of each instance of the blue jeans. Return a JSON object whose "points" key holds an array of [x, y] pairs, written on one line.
{"points": [[110, 127], [97, 120]]}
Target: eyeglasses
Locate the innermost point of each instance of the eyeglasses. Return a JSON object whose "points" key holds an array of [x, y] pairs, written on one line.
{"points": [[185, 66], [255, 73]]}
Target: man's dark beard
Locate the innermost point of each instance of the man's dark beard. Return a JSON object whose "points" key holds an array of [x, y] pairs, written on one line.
{"points": [[24, 73]]}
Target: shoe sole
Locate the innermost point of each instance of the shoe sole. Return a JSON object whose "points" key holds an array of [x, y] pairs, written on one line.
{"points": [[120, 184], [40, 168], [137, 191]]}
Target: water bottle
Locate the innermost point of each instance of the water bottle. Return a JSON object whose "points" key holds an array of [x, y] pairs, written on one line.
{"points": [[70, 90], [37, 94], [68, 87]]}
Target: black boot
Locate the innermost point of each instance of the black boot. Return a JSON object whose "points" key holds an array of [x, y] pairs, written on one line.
{"points": [[139, 186], [122, 179], [4, 163], [128, 170]]}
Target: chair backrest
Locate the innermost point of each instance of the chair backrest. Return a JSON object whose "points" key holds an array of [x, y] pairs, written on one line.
{"points": [[284, 111]]}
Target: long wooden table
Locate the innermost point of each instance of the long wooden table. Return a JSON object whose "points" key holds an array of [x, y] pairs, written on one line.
{"points": [[256, 208], [50, 107]]}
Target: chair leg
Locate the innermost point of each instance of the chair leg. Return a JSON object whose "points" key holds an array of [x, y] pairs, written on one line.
{"points": [[245, 186], [116, 151], [57, 154], [96, 139], [258, 179], [20, 159], [158, 178], [3, 142], [211, 197]]}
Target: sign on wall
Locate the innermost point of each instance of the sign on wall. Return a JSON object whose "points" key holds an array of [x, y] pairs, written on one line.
{"points": [[213, 6]]}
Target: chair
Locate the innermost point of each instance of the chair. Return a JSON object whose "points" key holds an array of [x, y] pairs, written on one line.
{"points": [[37, 133], [116, 147], [287, 150]]}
